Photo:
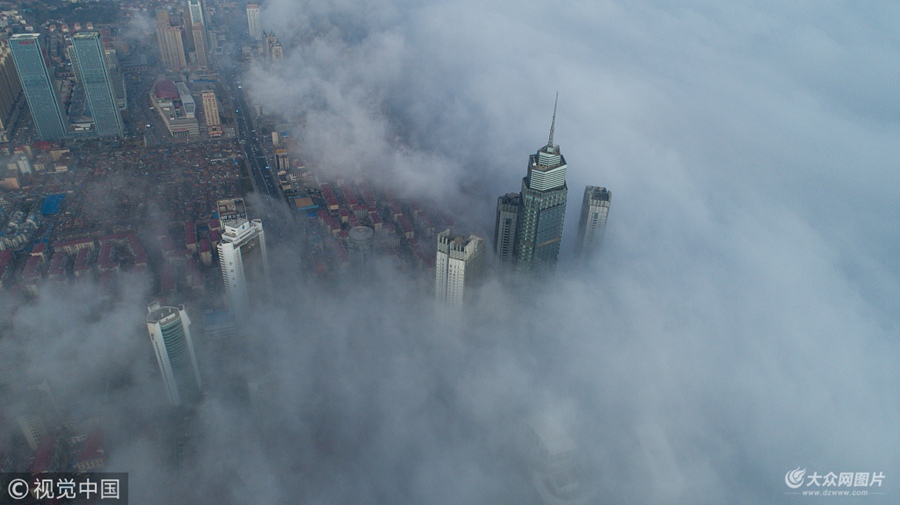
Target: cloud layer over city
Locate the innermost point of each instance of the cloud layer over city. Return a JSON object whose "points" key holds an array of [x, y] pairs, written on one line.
{"points": [[740, 320]]}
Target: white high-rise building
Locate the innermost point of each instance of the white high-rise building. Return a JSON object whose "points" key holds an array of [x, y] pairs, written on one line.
{"points": [[253, 21], [243, 260], [594, 210], [459, 262], [169, 329]]}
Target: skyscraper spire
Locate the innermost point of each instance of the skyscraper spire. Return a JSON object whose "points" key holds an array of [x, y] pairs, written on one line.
{"points": [[553, 123]]}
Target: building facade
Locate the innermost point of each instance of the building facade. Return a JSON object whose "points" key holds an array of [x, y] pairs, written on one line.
{"points": [[96, 79], [592, 223], [211, 112], [243, 261], [38, 85], [198, 31], [10, 92], [116, 78], [505, 227], [171, 44], [253, 21], [170, 333], [360, 241], [459, 263], [543, 208]]}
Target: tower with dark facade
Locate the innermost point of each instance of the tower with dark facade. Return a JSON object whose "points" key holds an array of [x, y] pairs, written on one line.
{"points": [[542, 208], [40, 89]]}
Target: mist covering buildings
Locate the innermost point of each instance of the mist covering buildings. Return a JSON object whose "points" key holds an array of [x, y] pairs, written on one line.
{"points": [[723, 337], [592, 223]]}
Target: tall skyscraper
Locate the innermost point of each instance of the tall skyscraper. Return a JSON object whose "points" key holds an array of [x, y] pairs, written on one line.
{"points": [[594, 210], [253, 21], [242, 256], [200, 47], [170, 333], [542, 209], [116, 78], [195, 12], [175, 44], [90, 58], [211, 111], [171, 45], [40, 90], [361, 240], [459, 262], [10, 92], [505, 227], [198, 31], [276, 52], [269, 40]]}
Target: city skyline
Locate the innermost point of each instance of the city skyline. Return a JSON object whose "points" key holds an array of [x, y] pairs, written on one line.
{"points": [[734, 302]]}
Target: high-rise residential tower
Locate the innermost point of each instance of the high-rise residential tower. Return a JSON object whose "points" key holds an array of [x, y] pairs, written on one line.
{"points": [[505, 227], [242, 256], [100, 96], [361, 240], [276, 52], [198, 32], [116, 78], [211, 112], [200, 46], [253, 21], [542, 209], [594, 210], [459, 263], [170, 333], [40, 90], [175, 45], [171, 44]]}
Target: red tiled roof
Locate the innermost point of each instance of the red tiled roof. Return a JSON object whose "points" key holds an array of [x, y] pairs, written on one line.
{"points": [[166, 89]]}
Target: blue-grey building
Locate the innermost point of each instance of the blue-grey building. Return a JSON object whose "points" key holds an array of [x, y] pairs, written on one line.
{"points": [[542, 208], [94, 74], [37, 83]]}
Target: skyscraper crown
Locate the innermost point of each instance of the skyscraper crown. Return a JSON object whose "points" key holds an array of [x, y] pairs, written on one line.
{"points": [[549, 156]]}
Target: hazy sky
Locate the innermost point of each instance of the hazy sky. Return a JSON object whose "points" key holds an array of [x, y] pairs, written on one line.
{"points": [[740, 322]]}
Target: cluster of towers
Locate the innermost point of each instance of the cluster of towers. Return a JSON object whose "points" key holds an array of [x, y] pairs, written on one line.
{"points": [[97, 74], [270, 46], [528, 227], [529, 224], [184, 46], [244, 264]]}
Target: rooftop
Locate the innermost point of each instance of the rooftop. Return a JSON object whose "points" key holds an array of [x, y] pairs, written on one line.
{"points": [[166, 89]]}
